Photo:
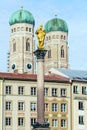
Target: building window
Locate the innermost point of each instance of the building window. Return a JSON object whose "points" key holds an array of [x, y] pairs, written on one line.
{"points": [[63, 92], [84, 90], [75, 89], [46, 107], [33, 106], [46, 38], [54, 91], [21, 90], [29, 29], [49, 37], [22, 28], [13, 67], [62, 52], [57, 36], [26, 28], [49, 53], [20, 105], [29, 66], [80, 106], [33, 91], [14, 47], [8, 121], [8, 89], [27, 45], [21, 121], [63, 107], [53, 37], [64, 37], [33, 121], [14, 29], [54, 107], [54, 123], [45, 91], [18, 28], [8, 105], [63, 123], [81, 120], [61, 36]]}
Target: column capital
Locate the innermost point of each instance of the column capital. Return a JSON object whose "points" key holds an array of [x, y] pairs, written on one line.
{"points": [[40, 54]]}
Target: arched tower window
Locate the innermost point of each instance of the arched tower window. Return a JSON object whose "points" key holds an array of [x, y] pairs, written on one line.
{"points": [[53, 37], [14, 46], [57, 36], [49, 37], [61, 36], [64, 37], [49, 53], [27, 45], [29, 29], [14, 29], [62, 52]]}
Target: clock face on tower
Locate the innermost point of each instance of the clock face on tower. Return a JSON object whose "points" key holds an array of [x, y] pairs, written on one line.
{"points": [[13, 66], [29, 66]]}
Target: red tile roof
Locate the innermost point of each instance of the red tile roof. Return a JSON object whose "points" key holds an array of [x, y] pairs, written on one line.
{"points": [[33, 77]]}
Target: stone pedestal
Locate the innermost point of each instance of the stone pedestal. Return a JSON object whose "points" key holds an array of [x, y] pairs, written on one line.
{"points": [[40, 125]]}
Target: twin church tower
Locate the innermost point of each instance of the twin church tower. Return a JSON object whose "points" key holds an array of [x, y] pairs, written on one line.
{"points": [[22, 44]]}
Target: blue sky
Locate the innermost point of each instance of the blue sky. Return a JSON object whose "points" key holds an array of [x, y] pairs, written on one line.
{"points": [[74, 12]]}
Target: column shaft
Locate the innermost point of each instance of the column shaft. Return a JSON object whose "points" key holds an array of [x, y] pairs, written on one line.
{"points": [[40, 91]]}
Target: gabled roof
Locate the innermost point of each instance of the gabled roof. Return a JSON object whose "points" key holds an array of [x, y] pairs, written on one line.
{"points": [[78, 75], [32, 77]]}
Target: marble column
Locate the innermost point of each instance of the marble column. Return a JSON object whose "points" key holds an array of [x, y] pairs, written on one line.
{"points": [[40, 91], [40, 125]]}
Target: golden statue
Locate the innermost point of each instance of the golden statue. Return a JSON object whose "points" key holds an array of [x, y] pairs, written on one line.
{"points": [[41, 36]]}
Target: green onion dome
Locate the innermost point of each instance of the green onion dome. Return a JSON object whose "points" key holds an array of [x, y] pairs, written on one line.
{"points": [[21, 16], [56, 24]]}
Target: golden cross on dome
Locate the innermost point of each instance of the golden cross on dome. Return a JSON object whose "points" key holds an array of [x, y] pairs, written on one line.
{"points": [[55, 15], [22, 7]]}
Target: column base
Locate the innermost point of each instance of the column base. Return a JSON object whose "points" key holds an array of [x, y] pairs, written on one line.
{"points": [[41, 129], [38, 126]]}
